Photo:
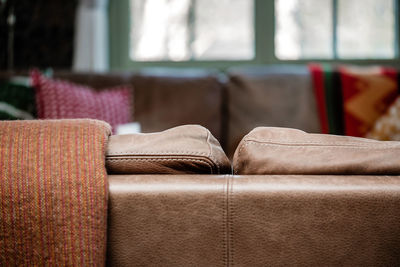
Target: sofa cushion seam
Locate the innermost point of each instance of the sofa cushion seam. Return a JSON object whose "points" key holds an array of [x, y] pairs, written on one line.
{"points": [[224, 221], [156, 153], [165, 159], [227, 221], [230, 221], [350, 145]]}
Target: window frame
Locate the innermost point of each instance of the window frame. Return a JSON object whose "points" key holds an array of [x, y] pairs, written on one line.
{"points": [[264, 42]]}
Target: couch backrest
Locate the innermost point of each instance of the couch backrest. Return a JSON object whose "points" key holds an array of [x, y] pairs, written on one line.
{"points": [[247, 97], [279, 96]]}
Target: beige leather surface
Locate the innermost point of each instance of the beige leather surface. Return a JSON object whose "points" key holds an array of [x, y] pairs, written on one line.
{"points": [[177, 97], [166, 220], [278, 96], [315, 221], [184, 149], [269, 150], [276, 220]]}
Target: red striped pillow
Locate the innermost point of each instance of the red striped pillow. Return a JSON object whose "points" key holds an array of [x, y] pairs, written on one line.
{"points": [[58, 99]]}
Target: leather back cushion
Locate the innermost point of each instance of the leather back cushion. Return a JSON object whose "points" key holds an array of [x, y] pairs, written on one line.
{"points": [[279, 96], [165, 100], [269, 150]]}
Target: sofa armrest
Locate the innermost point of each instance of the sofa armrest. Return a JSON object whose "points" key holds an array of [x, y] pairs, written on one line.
{"points": [[269, 220]]}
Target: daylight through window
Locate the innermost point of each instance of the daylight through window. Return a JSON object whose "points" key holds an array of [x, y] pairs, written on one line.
{"points": [[181, 30], [330, 29]]}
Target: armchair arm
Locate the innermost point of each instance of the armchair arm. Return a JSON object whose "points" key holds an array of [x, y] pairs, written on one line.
{"points": [[269, 220]]}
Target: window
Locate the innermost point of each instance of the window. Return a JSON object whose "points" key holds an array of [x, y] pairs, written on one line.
{"points": [[224, 33], [335, 29], [182, 30]]}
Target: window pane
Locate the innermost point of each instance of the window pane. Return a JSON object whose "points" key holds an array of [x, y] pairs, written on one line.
{"points": [[366, 29], [159, 30], [191, 29], [223, 29], [303, 29]]}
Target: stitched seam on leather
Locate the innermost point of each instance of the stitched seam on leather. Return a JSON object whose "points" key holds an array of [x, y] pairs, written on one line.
{"points": [[227, 224], [210, 148], [352, 145], [230, 221], [167, 153], [204, 159], [157, 153], [315, 145], [225, 220], [161, 159]]}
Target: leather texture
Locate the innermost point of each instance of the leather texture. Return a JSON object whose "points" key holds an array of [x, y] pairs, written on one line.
{"points": [[166, 220], [189, 149], [279, 96], [269, 220], [269, 150], [168, 98]]}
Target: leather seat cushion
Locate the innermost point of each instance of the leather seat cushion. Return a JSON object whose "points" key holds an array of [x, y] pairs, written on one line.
{"points": [[183, 149], [269, 150]]}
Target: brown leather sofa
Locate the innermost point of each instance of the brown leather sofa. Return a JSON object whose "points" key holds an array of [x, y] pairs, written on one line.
{"points": [[293, 200], [296, 199]]}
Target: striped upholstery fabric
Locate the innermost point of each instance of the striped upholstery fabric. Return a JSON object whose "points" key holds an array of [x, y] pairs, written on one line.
{"points": [[53, 193]]}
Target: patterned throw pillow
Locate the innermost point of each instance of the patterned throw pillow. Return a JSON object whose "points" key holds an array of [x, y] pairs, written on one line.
{"points": [[17, 100], [58, 99], [387, 127], [367, 94]]}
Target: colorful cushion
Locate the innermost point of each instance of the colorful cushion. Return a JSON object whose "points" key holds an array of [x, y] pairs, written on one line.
{"points": [[17, 101], [387, 127], [350, 99], [367, 93], [58, 99]]}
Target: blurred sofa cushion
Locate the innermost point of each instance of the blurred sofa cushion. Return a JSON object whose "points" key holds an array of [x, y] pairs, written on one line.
{"points": [[279, 96], [269, 150], [387, 127], [60, 99], [165, 98], [188, 149], [367, 94]]}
